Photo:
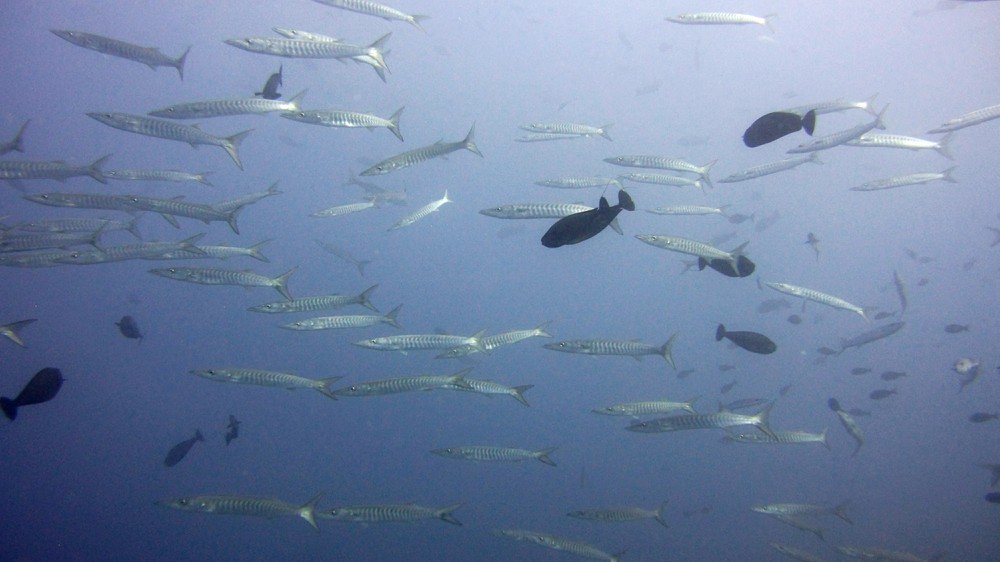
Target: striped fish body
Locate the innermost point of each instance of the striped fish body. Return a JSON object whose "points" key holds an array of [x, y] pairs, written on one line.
{"points": [[514, 336], [402, 384], [618, 514], [239, 505], [421, 212], [249, 199], [605, 347], [423, 154], [56, 170], [83, 201], [663, 163], [972, 118], [157, 175], [211, 276], [662, 179], [177, 207], [871, 335], [560, 544], [647, 408], [75, 225], [411, 342], [802, 509], [780, 438], [304, 35], [299, 48], [349, 119], [541, 137], [834, 107], [839, 138], [885, 140], [719, 420], [258, 377], [390, 513], [579, 182], [225, 107], [345, 321], [852, 427], [686, 210], [721, 18], [796, 553], [535, 210], [370, 8], [149, 56], [495, 454], [341, 210], [686, 246], [770, 168], [46, 240], [568, 129], [43, 259], [816, 296], [491, 388], [909, 179], [217, 252], [310, 304], [144, 250]]}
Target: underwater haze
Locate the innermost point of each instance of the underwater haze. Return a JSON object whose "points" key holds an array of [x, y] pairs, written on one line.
{"points": [[84, 473]]}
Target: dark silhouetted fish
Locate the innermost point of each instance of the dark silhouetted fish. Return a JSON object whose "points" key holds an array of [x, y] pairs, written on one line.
{"points": [[727, 367], [795, 319], [744, 267], [233, 429], [882, 394], [738, 218], [860, 371], [750, 341], [684, 374], [883, 315], [980, 417], [834, 404], [773, 126], [892, 375], [826, 351], [129, 328], [956, 328], [727, 387], [814, 242], [270, 91], [180, 450], [871, 335], [771, 305], [578, 227], [992, 497], [41, 388]]}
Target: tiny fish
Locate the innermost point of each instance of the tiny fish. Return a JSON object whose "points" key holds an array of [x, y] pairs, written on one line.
{"points": [[980, 417], [826, 351], [784, 390], [750, 341], [726, 367], [882, 394], [737, 218], [129, 328], [684, 374], [795, 319], [727, 387], [233, 429], [892, 375], [834, 404], [860, 371], [41, 388], [177, 453], [883, 315], [956, 328]]}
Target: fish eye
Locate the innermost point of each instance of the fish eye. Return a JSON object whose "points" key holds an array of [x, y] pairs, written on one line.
{"points": [[372, 341], [172, 270], [302, 114], [333, 512], [182, 502]]}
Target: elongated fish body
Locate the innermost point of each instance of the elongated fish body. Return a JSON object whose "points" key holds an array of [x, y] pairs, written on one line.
{"points": [[799, 509], [884, 140], [11, 330], [541, 137], [559, 544], [969, 119], [171, 208], [216, 252], [16, 143], [210, 276], [882, 554], [871, 335], [634, 349], [241, 505], [718, 420], [420, 213], [423, 154], [226, 107], [535, 210], [617, 514], [46, 240], [324, 302], [161, 128], [779, 438], [663, 163], [490, 388], [909, 179], [57, 170], [821, 298], [695, 210], [853, 429], [332, 118], [897, 281], [579, 182], [390, 513], [411, 342], [795, 553], [722, 18], [304, 35], [841, 137], [569, 129], [370, 8], [248, 199], [372, 54], [691, 247], [341, 210], [258, 377], [346, 321], [403, 384], [43, 259], [835, 106], [801, 524], [635, 409], [662, 179], [513, 336], [157, 175], [495, 454], [149, 56], [770, 168], [144, 250], [177, 453]]}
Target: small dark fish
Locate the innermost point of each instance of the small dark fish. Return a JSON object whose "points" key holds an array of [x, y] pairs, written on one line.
{"points": [[814, 242], [745, 403], [41, 388], [860, 371], [726, 367], [980, 417], [578, 227], [739, 218], [723, 238], [826, 351], [967, 266], [180, 450], [773, 126], [683, 374], [744, 267], [129, 328], [923, 282], [727, 387], [956, 328], [233, 429], [992, 497], [767, 222], [834, 405], [771, 305], [892, 375], [270, 91], [883, 315], [648, 88], [859, 412], [795, 319], [784, 390], [882, 394], [750, 341]]}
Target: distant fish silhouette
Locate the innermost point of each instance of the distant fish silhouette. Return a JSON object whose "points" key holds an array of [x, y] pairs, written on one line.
{"points": [[744, 267], [773, 126], [750, 341], [233, 429], [129, 328], [41, 388], [578, 227], [270, 91], [180, 450]]}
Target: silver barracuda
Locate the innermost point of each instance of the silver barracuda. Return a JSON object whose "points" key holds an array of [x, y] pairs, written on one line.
{"points": [[663, 163], [411, 342], [687, 210], [662, 179], [615, 514], [841, 137], [241, 505], [210, 276], [12, 330], [16, 143], [47, 240], [248, 199], [13, 170], [144, 250], [560, 544], [372, 54], [490, 388], [969, 119], [420, 213], [217, 252], [157, 175], [883, 140], [323, 302], [333, 118], [884, 554], [346, 321], [634, 349], [149, 56], [258, 377], [852, 427], [691, 247], [779, 438], [771, 168], [722, 18], [909, 179], [513, 336], [161, 128], [226, 107], [398, 385], [580, 182], [719, 420], [304, 35], [870, 336], [795, 553], [542, 137], [34, 259], [341, 210], [390, 513], [169, 209], [535, 210], [635, 409], [423, 154], [799, 509], [801, 524], [495, 454], [835, 106], [345, 255], [83, 201], [370, 8], [569, 129], [80, 225], [818, 297]]}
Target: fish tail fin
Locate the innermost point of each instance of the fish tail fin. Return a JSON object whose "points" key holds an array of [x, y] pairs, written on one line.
{"points": [[616, 557], [95, 171], [254, 251], [604, 131], [763, 421], [231, 219], [942, 147], [390, 317], [133, 227], [324, 387], [879, 123], [469, 143], [625, 200], [666, 350], [720, 332], [767, 24], [363, 297], [13, 328], [823, 439], [179, 62], [947, 175], [445, 515], [232, 146], [394, 123], [9, 408], [540, 330], [361, 266], [18, 142], [518, 393], [198, 436], [809, 121], [814, 158], [869, 105], [476, 341], [866, 311], [188, 244], [689, 405], [308, 511], [281, 283], [841, 511], [703, 172], [415, 20], [294, 102], [659, 514], [543, 456], [377, 53], [458, 379]]}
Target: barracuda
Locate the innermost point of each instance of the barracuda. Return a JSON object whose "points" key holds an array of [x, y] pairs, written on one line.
{"points": [[225, 107], [771, 168], [149, 56], [909, 179], [422, 212], [821, 298], [209, 276], [636, 409], [258, 377], [13, 170], [841, 137], [324, 302], [495, 454], [616, 347], [622, 514], [331, 118], [157, 175], [403, 384], [663, 163], [423, 154], [719, 420], [559, 544], [370, 8], [411, 342], [390, 513], [346, 321], [240, 505]]}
